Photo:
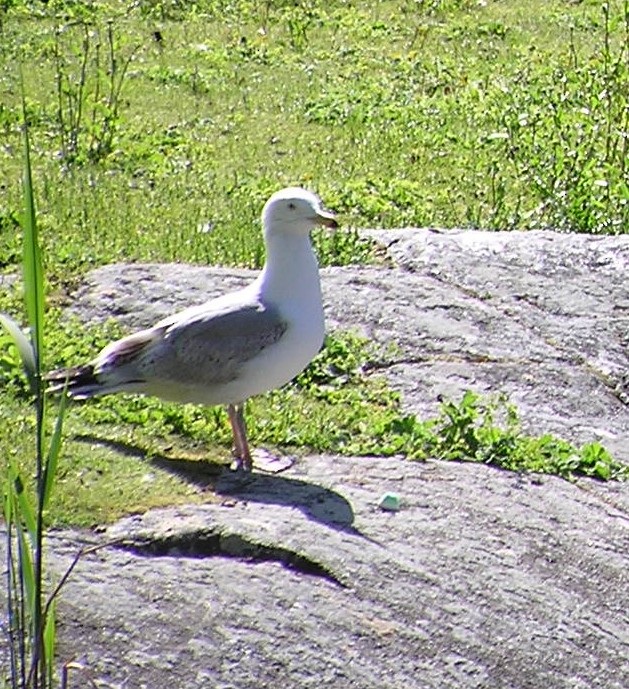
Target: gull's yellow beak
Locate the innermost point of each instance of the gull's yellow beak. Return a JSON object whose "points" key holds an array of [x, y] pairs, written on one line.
{"points": [[326, 219]]}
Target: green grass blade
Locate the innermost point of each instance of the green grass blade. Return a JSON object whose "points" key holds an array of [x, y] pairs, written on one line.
{"points": [[12, 597], [50, 629], [54, 448], [32, 264], [23, 511], [25, 566], [24, 347], [7, 502], [34, 299]]}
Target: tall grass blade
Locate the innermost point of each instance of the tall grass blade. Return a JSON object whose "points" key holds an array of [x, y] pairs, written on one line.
{"points": [[23, 511], [34, 300], [32, 263], [49, 640], [26, 569], [54, 449], [12, 609], [24, 347]]}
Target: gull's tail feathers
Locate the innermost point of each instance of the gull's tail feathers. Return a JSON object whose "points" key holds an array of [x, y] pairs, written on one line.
{"points": [[79, 381], [113, 370], [82, 382]]}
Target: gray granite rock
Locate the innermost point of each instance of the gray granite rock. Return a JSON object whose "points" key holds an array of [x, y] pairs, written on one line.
{"points": [[484, 579]]}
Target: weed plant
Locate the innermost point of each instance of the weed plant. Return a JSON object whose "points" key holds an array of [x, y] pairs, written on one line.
{"points": [[30, 622]]}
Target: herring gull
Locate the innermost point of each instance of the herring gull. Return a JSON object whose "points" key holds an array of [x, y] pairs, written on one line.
{"points": [[235, 346]]}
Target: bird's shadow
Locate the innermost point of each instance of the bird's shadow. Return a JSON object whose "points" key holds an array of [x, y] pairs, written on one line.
{"points": [[317, 503]]}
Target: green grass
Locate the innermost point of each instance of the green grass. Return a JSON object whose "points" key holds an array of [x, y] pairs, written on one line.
{"points": [[160, 128], [494, 115]]}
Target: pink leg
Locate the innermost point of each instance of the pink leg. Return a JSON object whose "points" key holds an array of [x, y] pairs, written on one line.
{"points": [[242, 456]]}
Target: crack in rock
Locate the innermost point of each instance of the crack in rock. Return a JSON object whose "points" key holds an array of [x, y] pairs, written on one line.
{"points": [[206, 544]]}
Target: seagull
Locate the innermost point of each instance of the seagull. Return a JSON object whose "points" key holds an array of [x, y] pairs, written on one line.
{"points": [[233, 347]]}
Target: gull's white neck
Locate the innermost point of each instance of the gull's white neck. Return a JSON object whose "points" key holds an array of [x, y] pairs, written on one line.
{"points": [[291, 273]]}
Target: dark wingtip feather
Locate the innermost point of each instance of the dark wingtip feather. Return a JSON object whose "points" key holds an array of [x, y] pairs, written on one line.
{"points": [[81, 380]]}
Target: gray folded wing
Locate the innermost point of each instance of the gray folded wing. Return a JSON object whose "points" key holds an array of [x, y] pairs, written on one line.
{"points": [[210, 348]]}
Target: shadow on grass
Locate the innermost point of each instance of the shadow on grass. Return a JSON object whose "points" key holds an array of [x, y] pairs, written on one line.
{"points": [[317, 503]]}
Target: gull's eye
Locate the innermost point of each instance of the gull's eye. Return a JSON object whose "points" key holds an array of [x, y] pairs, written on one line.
{"points": [[292, 206]]}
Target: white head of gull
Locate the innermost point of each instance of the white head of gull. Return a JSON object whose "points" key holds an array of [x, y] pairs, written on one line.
{"points": [[241, 344]]}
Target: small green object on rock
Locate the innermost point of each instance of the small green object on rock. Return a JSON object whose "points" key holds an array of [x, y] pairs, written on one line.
{"points": [[389, 502]]}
